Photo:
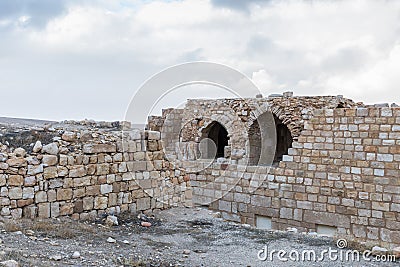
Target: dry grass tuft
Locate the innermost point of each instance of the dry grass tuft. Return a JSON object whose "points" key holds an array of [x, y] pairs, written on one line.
{"points": [[58, 228], [11, 226]]}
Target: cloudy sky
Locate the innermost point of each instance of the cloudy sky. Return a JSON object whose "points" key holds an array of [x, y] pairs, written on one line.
{"points": [[85, 59]]}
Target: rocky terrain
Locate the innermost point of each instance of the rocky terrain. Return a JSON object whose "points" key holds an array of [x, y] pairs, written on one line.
{"points": [[176, 237]]}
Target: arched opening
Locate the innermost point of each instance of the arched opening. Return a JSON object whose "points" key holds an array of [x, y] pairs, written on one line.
{"points": [[284, 140], [219, 136], [269, 140]]}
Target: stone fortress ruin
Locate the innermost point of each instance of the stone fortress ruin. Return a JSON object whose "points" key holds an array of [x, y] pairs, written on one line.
{"points": [[328, 165]]}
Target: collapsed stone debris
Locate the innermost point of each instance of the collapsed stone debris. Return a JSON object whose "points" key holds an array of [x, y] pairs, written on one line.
{"points": [[86, 172]]}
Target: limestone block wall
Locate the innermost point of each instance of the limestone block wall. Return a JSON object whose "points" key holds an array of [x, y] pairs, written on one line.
{"points": [[86, 172], [343, 171], [182, 129]]}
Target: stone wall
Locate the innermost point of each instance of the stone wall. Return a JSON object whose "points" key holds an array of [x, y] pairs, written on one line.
{"points": [[343, 171], [183, 129], [85, 172]]}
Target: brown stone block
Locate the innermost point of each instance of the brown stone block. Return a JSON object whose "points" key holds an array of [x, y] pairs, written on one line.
{"points": [[341, 209], [102, 179], [15, 180], [93, 190], [77, 171], [88, 203], [91, 169], [78, 208], [50, 160], [103, 169], [44, 210], [50, 172], [112, 199], [24, 202], [79, 192], [67, 208], [100, 203], [64, 194], [116, 187], [17, 162]]}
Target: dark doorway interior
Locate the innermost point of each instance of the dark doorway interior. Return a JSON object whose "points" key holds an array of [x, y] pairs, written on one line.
{"points": [[219, 135], [283, 140]]}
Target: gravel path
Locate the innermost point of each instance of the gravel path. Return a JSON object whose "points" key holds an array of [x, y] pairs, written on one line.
{"points": [[178, 237]]}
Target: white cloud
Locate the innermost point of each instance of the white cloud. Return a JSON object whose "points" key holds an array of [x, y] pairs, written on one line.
{"points": [[378, 83], [263, 80], [103, 50]]}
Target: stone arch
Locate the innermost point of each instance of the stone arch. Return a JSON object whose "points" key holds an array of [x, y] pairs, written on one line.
{"points": [[266, 146], [294, 126]]}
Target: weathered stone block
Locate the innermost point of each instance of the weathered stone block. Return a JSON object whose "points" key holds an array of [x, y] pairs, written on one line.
{"points": [[44, 210], [78, 208], [16, 213], [5, 211], [51, 195], [326, 218], [50, 172], [82, 181], [139, 155], [69, 136], [106, 188], [15, 193], [137, 166], [51, 149], [79, 192], [54, 209], [112, 199], [35, 169], [153, 135], [50, 160], [64, 194], [3, 166], [88, 203], [103, 169], [62, 171], [77, 171], [225, 205], [28, 192], [3, 179], [385, 157], [143, 203], [100, 203], [67, 209], [152, 145], [93, 190], [15, 180], [40, 197], [24, 202], [99, 148], [16, 162], [29, 212]]}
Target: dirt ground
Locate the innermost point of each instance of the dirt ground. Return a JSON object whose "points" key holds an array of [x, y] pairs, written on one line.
{"points": [[177, 237]]}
